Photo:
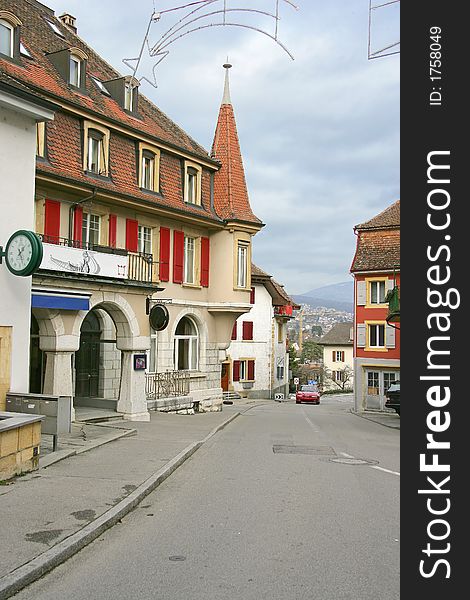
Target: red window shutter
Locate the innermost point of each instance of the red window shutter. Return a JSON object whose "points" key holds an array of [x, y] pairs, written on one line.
{"points": [[164, 254], [52, 222], [132, 232], [77, 224], [252, 295], [334, 356], [247, 330], [205, 261], [178, 256], [236, 370], [342, 355], [251, 370], [234, 331], [112, 231]]}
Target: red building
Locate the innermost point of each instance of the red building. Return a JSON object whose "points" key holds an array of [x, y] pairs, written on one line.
{"points": [[376, 270]]}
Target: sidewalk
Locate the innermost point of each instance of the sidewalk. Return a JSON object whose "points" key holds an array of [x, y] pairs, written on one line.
{"points": [[387, 419], [50, 514]]}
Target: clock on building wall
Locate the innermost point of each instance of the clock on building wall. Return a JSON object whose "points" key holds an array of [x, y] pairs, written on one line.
{"points": [[23, 253]]}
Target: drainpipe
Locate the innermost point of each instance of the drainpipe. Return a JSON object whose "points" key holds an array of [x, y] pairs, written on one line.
{"points": [[72, 209]]}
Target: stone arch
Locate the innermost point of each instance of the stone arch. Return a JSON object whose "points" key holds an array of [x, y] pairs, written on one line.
{"points": [[116, 306]]}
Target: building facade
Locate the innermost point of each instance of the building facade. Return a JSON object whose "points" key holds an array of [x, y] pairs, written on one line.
{"points": [[338, 360], [376, 270], [257, 363], [19, 112], [134, 216]]}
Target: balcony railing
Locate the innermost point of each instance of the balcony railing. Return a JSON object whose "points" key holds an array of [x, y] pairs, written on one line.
{"points": [[66, 255], [166, 385], [283, 311]]}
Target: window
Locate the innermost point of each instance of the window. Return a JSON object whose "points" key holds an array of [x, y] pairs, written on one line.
{"points": [[75, 65], [149, 164], [6, 38], [129, 96], [99, 84], [338, 376], [372, 383], [280, 333], [242, 265], [41, 139], [90, 230], [186, 345], [389, 378], [189, 262], [192, 183], [144, 239], [96, 149], [376, 336], [148, 161], [54, 28], [243, 370], [24, 51], [338, 356], [377, 292]]}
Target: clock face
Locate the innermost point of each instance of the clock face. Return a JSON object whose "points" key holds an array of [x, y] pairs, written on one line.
{"points": [[20, 252], [23, 253]]}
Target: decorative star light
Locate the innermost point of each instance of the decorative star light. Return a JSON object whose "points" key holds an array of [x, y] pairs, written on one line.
{"points": [[197, 16]]}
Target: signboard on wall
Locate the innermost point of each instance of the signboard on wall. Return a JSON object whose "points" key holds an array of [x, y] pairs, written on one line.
{"points": [[85, 262]]}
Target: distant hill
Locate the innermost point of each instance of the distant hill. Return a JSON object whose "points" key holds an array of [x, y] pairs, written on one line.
{"points": [[339, 296]]}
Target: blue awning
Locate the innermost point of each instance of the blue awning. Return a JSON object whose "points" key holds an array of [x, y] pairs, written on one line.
{"points": [[62, 301]]}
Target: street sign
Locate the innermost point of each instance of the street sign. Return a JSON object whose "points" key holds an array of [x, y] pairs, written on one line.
{"points": [[278, 396], [296, 381]]}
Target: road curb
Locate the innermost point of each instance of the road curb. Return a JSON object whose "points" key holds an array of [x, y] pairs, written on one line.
{"points": [[362, 416], [33, 570]]}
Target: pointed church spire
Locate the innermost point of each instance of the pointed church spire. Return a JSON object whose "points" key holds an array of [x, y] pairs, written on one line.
{"points": [[230, 192]]}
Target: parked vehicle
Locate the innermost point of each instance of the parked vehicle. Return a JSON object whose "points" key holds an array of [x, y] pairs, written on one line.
{"points": [[308, 393], [393, 397]]}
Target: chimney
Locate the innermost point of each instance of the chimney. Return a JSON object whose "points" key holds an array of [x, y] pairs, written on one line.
{"points": [[69, 21]]}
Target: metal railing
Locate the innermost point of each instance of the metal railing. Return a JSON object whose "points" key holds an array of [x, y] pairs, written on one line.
{"points": [[166, 385], [140, 267]]}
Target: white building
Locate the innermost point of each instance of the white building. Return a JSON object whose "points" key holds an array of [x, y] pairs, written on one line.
{"points": [[19, 113], [338, 360], [258, 359]]}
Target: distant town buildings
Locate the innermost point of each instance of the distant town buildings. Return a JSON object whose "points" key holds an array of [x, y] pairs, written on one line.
{"points": [[338, 362]]}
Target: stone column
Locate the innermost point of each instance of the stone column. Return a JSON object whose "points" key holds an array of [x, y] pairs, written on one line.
{"points": [[58, 378], [132, 402]]}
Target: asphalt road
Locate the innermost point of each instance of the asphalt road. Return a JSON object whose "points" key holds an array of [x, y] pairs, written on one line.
{"points": [[288, 502]]}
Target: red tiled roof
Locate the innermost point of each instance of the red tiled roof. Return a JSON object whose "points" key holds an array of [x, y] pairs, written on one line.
{"points": [[230, 192], [378, 242], [390, 217], [39, 74]]}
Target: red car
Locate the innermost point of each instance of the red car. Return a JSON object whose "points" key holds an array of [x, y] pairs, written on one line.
{"points": [[307, 393]]}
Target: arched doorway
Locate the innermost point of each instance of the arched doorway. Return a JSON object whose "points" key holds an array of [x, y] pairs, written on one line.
{"points": [[87, 358]]}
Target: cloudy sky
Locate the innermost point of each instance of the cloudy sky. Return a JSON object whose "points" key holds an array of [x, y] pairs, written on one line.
{"points": [[319, 134]]}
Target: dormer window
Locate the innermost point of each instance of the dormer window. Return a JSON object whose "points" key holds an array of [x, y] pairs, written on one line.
{"points": [[71, 64], [75, 70], [6, 38], [9, 34], [129, 96], [125, 91]]}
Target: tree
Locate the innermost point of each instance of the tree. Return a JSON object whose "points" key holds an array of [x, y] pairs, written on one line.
{"points": [[345, 377], [311, 352]]}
